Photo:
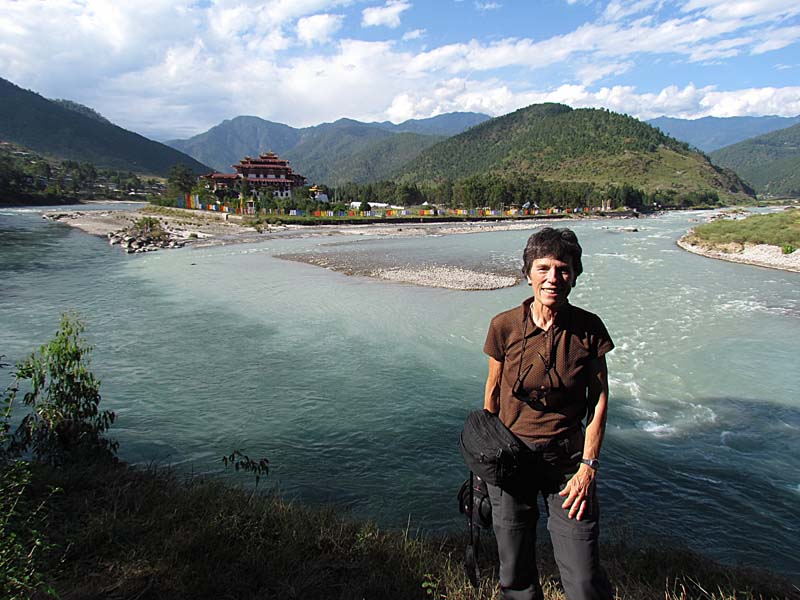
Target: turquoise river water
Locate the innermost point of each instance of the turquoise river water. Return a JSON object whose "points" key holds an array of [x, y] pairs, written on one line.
{"points": [[356, 389]]}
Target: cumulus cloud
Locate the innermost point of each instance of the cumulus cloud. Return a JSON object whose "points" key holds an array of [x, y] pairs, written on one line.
{"points": [[197, 63], [318, 29], [484, 6], [387, 15], [690, 102], [413, 35]]}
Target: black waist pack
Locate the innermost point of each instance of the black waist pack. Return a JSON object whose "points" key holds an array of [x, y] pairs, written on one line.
{"points": [[490, 450]]}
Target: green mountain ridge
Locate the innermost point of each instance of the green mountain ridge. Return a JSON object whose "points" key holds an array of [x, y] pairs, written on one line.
{"points": [[447, 124], [82, 109], [712, 133], [347, 150], [50, 128], [227, 143], [770, 162], [556, 142], [329, 152]]}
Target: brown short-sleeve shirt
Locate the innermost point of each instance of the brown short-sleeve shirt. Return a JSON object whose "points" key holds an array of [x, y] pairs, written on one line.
{"points": [[552, 367]]}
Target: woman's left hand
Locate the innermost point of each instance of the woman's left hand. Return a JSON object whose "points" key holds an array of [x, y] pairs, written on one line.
{"points": [[577, 492]]}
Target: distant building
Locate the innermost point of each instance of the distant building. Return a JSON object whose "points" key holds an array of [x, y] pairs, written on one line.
{"points": [[265, 171], [317, 194]]}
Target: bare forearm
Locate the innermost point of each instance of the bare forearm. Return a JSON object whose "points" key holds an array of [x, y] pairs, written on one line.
{"points": [[491, 395], [578, 487], [595, 431], [598, 399]]}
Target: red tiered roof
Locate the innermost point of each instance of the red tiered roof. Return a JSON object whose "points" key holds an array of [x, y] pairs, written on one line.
{"points": [[267, 163]]}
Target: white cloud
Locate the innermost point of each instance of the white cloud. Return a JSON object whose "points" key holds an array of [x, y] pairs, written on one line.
{"points": [[172, 68], [413, 35], [593, 72], [387, 15], [783, 102], [778, 38], [620, 9], [496, 98], [318, 29], [484, 6], [758, 10]]}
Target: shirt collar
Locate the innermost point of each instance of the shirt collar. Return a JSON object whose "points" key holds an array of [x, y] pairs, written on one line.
{"points": [[562, 317]]}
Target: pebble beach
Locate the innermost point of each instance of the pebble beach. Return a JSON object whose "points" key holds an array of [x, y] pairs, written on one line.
{"points": [[759, 255], [207, 229]]}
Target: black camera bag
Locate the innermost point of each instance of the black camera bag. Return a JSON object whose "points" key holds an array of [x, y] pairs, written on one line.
{"points": [[490, 450]]}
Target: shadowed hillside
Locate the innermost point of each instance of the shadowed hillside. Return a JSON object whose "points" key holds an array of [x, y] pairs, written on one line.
{"points": [[770, 162], [50, 128]]}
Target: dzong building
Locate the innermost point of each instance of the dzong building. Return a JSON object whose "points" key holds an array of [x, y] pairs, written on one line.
{"points": [[266, 171]]}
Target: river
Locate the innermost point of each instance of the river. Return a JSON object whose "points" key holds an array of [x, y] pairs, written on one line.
{"points": [[356, 389]]}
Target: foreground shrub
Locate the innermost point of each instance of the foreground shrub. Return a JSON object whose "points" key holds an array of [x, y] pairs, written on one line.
{"points": [[63, 396], [21, 543]]}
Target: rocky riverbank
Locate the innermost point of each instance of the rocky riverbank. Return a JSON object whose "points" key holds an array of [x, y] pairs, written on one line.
{"points": [[760, 255], [189, 227], [179, 227], [135, 242]]}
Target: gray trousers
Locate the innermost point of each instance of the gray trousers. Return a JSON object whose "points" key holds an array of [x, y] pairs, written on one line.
{"points": [[515, 514]]}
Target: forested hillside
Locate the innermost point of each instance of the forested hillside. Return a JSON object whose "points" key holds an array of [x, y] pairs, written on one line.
{"points": [[227, 143], [444, 125], [770, 162], [351, 151], [48, 127], [327, 153], [557, 143]]}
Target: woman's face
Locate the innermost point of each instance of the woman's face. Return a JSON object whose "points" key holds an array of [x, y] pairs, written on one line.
{"points": [[551, 280]]}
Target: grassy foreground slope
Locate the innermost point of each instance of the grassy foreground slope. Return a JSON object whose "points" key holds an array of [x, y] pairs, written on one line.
{"points": [[556, 142], [118, 532]]}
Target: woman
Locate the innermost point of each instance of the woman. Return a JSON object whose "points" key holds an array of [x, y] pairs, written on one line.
{"points": [[547, 373]]}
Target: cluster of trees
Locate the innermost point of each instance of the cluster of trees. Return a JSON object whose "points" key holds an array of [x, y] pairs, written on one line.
{"points": [[494, 190], [497, 191], [30, 174]]}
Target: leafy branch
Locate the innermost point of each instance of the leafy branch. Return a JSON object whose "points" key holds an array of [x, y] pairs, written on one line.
{"points": [[241, 462]]}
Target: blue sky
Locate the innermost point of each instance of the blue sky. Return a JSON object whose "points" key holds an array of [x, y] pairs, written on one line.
{"points": [[172, 68]]}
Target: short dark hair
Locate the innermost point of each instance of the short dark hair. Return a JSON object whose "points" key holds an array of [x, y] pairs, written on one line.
{"points": [[557, 243]]}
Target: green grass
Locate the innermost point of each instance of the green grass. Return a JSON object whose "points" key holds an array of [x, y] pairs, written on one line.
{"points": [[665, 169], [118, 532], [777, 229]]}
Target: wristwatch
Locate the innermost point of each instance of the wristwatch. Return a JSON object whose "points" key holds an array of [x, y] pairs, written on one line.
{"points": [[592, 462]]}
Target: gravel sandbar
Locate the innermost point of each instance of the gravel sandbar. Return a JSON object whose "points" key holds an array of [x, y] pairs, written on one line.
{"points": [[760, 255]]}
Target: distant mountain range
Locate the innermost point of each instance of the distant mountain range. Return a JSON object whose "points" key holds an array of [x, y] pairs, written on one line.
{"points": [[67, 130], [770, 162], [712, 133], [558, 143], [343, 150], [550, 141]]}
